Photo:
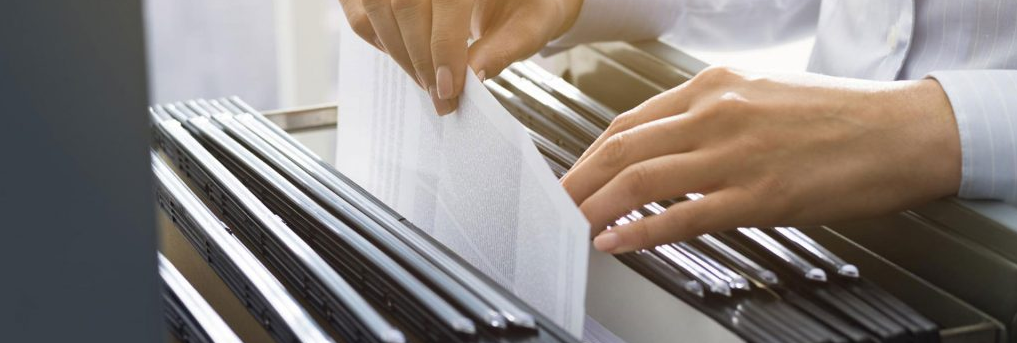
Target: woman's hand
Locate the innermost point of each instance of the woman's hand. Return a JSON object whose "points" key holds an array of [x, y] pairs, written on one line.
{"points": [[428, 38], [767, 150]]}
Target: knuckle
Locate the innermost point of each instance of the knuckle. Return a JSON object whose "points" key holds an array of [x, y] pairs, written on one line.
{"points": [[717, 73], [406, 6], [439, 39], [623, 121], [629, 118], [683, 221], [449, 4], [638, 180], [645, 235], [730, 103], [534, 30], [361, 25], [445, 39], [423, 65], [769, 186], [679, 222], [697, 120], [375, 6], [349, 5], [636, 234], [500, 58], [755, 144], [614, 150], [714, 76], [775, 192], [671, 227]]}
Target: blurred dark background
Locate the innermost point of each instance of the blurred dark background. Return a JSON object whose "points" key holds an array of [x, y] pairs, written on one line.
{"points": [[77, 237]]}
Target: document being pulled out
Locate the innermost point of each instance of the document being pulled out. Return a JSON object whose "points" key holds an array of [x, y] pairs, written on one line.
{"points": [[472, 179]]}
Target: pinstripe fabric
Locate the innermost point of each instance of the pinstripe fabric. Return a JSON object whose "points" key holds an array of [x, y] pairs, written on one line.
{"points": [[967, 45]]}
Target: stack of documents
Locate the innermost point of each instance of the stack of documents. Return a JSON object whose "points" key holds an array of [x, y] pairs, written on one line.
{"points": [[471, 180]]}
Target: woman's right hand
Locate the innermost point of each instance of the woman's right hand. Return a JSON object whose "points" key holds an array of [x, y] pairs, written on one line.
{"points": [[428, 38]]}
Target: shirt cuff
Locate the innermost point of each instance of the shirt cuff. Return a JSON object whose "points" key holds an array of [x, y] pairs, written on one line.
{"points": [[984, 104]]}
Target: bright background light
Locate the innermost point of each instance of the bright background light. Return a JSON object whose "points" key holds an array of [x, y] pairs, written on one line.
{"points": [[283, 53]]}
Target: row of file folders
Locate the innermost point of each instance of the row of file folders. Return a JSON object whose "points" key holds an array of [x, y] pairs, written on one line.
{"points": [[316, 258]]}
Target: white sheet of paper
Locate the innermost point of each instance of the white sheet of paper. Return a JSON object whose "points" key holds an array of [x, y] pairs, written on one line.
{"points": [[472, 179]]}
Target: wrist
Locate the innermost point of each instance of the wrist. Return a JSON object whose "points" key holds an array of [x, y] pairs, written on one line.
{"points": [[928, 134]]}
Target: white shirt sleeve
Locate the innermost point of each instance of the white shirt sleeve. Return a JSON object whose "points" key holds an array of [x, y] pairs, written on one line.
{"points": [[718, 24], [985, 106]]}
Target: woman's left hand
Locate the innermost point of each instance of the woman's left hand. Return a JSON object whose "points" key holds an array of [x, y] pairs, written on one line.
{"points": [[767, 150]]}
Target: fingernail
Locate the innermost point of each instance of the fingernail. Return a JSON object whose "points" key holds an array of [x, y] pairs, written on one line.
{"points": [[606, 242], [443, 76], [440, 106], [482, 75]]}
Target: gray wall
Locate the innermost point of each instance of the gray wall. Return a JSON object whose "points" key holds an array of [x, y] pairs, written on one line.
{"points": [[77, 237]]}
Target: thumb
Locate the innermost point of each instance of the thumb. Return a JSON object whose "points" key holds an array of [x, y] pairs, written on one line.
{"points": [[501, 46]]}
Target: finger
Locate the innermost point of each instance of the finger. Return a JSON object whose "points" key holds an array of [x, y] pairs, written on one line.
{"points": [[722, 210], [414, 20], [656, 179], [450, 30], [359, 22], [654, 139], [504, 43], [483, 12], [384, 23], [671, 102]]}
